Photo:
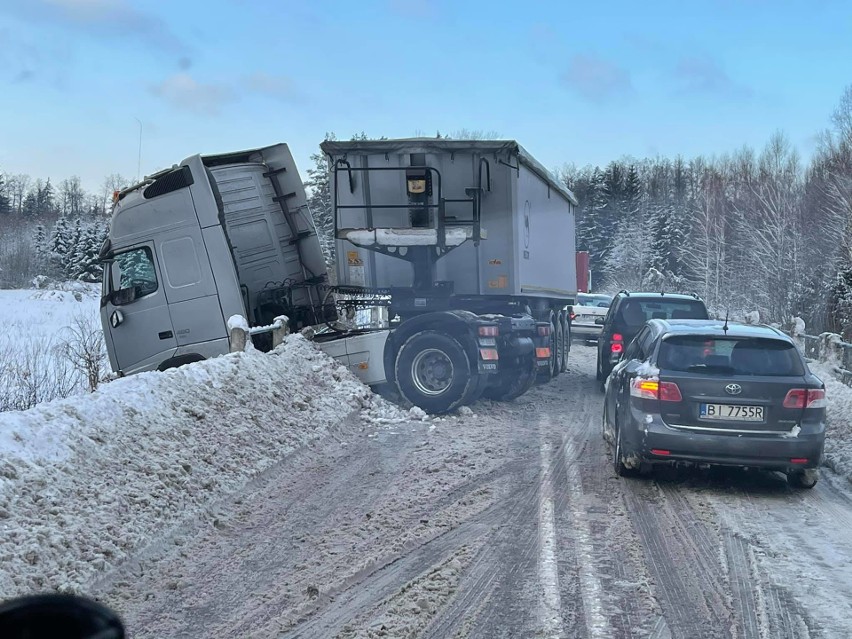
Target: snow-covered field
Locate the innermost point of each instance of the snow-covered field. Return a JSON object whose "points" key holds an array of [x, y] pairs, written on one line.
{"points": [[36, 327]]}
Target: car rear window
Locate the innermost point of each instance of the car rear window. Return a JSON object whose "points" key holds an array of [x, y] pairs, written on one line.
{"points": [[634, 313], [735, 356], [599, 301]]}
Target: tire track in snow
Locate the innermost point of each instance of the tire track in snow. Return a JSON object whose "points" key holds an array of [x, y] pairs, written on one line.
{"points": [[548, 571], [590, 585]]}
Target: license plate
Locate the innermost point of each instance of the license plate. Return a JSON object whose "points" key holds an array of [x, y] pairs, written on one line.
{"points": [[731, 412]]}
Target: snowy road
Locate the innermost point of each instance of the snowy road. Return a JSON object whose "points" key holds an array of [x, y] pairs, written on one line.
{"points": [[506, 523]]}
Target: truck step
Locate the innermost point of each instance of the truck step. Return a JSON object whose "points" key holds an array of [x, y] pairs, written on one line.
{"points": [[286, 196], [301, 235]]}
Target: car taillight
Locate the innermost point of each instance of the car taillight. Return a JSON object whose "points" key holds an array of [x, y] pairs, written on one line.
{"points": [[669, 392], [653, 389], [572, 315], [805, 398], [544, 330], [617, 344], [489, 331]]}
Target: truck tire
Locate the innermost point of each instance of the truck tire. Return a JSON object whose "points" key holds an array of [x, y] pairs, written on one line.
{"points": [[476, 390], [560, 345], [434, 372], [511, 384], [566, 329], [180, 360], [552, 369]]}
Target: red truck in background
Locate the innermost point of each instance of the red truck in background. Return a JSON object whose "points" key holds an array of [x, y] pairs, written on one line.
{"points": [[583, 271]]}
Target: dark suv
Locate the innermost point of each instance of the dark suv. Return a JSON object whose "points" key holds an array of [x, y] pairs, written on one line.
{"points": [[629, 312], [708, 392]]}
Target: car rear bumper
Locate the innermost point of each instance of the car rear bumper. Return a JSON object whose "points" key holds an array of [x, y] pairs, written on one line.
{"points": [[648, 440]]}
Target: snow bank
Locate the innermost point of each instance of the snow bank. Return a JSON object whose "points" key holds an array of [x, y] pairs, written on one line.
{"points": [[87, 481], [838, 436]]}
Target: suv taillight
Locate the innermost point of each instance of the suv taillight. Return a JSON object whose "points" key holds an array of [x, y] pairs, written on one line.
{"points": [[654, 389], [805, 398], [617, 344]]}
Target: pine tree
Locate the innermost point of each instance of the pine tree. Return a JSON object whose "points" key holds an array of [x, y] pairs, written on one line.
{"points": [[5, 202], [41, 254], [87, 267], [62, 244], [44, 199], [76, 250], [29, 206], [319, 201]]}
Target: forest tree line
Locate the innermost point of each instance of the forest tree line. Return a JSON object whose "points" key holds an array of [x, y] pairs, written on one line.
{"points": [[751, 230]]}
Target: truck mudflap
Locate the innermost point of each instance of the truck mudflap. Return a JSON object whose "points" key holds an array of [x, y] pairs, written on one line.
{"points": [[542, 344]]}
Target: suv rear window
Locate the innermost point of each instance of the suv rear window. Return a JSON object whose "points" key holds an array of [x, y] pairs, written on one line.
{"points": [[731, 355], [634, 312]]}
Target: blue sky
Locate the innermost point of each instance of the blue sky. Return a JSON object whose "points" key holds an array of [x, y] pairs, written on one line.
{"points": [[579, 82]]}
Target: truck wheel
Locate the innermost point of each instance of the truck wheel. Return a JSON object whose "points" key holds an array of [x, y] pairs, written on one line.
{"points": [[433, 372], [566, 329], [511, 384], [552, 369], [476, 390], [560, 345]]}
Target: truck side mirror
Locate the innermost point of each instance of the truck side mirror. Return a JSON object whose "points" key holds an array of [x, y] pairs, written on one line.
{"points": [[124, 296]]}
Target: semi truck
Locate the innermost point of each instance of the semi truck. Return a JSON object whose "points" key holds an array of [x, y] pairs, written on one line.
{"points": [[469, 246]]}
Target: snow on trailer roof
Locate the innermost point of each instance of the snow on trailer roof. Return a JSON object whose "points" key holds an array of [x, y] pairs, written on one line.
{"points": [[443, 145]]}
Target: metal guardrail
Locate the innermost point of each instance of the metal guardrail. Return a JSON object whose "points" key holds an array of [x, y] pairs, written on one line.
{"points": [[816, 347]]}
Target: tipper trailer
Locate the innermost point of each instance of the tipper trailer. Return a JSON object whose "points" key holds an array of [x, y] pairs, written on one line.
{"points": [[231, 234]]}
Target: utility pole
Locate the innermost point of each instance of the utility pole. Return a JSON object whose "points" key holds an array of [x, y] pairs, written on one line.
{"points": [[139, 158]]}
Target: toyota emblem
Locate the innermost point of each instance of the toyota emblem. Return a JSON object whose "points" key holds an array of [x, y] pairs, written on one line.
{"points": [[734, 389]]}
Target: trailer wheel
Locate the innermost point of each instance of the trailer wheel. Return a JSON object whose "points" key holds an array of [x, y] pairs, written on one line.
{"points": [[512, 382], [434, 372], [552, 369]]}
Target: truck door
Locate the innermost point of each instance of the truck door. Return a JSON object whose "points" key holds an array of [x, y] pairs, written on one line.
{"points": [[189, 287], [135, 310]]}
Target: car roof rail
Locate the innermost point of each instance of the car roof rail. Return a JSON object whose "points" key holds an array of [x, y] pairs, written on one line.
{"points": [[625, 291]]}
